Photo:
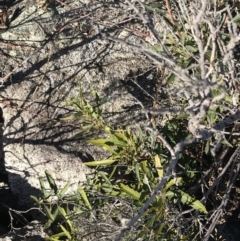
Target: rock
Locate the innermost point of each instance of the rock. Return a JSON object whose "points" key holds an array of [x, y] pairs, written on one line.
{"points": [[32, 232], [34, 138]]}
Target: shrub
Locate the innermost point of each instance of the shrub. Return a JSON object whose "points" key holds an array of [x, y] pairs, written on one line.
{"points": [[153, 175]]}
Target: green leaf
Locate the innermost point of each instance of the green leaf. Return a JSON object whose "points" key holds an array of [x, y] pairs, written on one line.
{"points": [[151, 221], [104, 143], [185, 62], [132, 193], [137, 167], [66, 232], [157, 48], [65, 216], [170, 79], [236, 19], [48, 223], [63, 191], [113, 171], [95, 95], [78, 210], [56, 237], [183, 37], [191, 48], [102, 174], [48, 212], [158, 166], [100, 162], [121, 136], [108, 142], [212, 117], [182, 116], [83, 129], [172, 182], [155, 7], [109, 149], [107, 187], [207, 146], [145, 179], [188, 200], [51, 181], [144, 166], [170, 39], [55, 214], [84, 196], [196, 204], [35, 199], [75, 116], [228, 98], [43, 188], [225, 142], [108, 129]]}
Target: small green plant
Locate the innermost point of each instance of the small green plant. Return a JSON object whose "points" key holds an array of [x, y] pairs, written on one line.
{"points": [[134, 167], [55, 208], [63, 209], [87, 114], [196, 53], [129, 174]]}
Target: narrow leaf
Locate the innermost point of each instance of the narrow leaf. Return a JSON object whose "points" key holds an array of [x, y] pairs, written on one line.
{"points": [[132, 193], [120, 136], [55, 213], [196, 204], [113, 172], [99, 142], [35, 199], [104, 143], [48, 223], [107, 142], [51, 181], [151, 221], [75, 116], [102, 174], [188, 200], [172, 182], [225, 142], [158, 166], [65, 216], [207, 146], [48, 212], [144, 165], [171, 78], [100, 163], [236, 19], [157, 48], [108, 129], [66, 232], [64, 190], [43, 188], [56, 237], [84, 128], [95, 95], [191, 48], [84, 196], [137, 167]]}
